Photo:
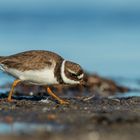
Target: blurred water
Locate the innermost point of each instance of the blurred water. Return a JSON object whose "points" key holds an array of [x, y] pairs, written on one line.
{"points": [[20, 128], [103, 40]]}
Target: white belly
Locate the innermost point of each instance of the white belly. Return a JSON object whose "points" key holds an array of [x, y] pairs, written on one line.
{"points": [[39, 77]]}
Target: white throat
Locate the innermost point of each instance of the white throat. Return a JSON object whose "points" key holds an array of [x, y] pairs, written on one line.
{"points": [[64, 77]]}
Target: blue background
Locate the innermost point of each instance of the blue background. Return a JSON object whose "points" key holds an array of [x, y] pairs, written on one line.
{"points": [[102, 36]]}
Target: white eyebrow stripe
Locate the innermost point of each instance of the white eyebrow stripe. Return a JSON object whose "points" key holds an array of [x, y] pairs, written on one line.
{"points": [[71, 71], [81, 76]]}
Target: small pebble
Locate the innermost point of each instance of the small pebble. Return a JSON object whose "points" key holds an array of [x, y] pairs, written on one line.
{"points": [[45, 101]]}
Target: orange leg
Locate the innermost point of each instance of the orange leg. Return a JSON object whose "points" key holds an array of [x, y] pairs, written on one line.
{"points": [[56, 97], [12, 90]]}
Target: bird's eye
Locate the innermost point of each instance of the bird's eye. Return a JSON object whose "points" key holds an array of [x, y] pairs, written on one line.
{"points": [[74, 75]]}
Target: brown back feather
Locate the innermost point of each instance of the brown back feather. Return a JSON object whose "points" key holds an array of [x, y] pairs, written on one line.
{"points": [[30, 60]]}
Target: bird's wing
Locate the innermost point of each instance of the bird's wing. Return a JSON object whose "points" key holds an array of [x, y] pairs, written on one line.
{"points": [[27, 63]]}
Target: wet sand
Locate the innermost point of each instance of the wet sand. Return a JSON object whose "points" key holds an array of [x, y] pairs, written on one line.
{"points": [[90, 117]]}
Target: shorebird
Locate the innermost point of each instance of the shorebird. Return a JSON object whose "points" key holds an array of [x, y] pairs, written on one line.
{"points": [[43, 68]]}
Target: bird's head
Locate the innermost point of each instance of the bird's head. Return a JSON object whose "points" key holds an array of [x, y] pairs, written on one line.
{"points": [[72, 73]]}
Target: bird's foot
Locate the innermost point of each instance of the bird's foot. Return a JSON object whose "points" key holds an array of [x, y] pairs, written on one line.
{"points": [[62, 102], [10, 100]]}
